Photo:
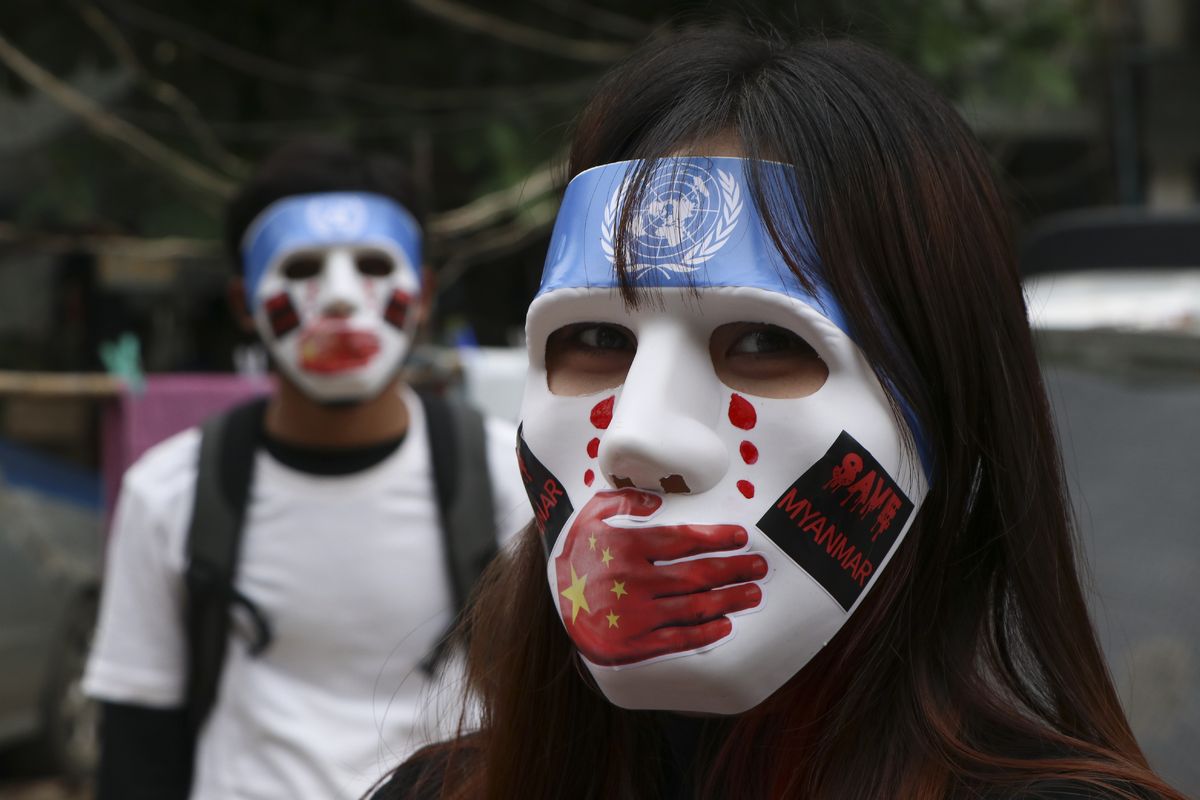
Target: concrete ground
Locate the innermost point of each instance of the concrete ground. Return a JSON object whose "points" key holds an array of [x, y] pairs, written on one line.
{"points": [[1132, 461]]}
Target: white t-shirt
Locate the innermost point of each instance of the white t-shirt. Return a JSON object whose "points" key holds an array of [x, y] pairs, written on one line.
{"points": [[351, 574]]}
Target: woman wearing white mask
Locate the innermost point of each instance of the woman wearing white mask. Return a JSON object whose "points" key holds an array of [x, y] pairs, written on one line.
{"points": [[801, 528]]}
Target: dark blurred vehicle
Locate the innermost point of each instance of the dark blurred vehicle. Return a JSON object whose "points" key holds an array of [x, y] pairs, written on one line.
{"points": [[1114, 298]]}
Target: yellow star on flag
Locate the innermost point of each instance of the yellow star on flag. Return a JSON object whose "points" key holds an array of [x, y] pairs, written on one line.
{"points": [[618, 589], [575, 593], [612, 620], [592, 542], [606, 557]]}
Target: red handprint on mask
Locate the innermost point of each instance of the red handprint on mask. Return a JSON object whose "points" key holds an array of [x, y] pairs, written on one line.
{"points": [[621, 607]]}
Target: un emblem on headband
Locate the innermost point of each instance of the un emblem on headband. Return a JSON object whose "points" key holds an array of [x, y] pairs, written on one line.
{"points": [[685, 216], [336, 217]]}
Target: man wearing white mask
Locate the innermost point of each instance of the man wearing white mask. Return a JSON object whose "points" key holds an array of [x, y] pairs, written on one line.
{"points": [[280, 583]]}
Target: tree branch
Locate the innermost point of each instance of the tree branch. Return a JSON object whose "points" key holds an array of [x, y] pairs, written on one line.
{"points": [[459, 224], [108, 126], [483, 210], [165, 93], [492, 245], [167, 247], [600, 18], [591, 51], [410, 98]]}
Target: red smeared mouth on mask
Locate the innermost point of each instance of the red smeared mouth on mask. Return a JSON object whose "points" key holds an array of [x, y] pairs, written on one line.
{"points": [[332, 346]]}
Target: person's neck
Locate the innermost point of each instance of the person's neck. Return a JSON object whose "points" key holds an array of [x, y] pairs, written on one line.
{"points": [[295, 418]]}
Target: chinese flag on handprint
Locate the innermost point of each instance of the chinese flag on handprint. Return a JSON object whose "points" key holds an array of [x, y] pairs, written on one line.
{"points": [[621, 605]]}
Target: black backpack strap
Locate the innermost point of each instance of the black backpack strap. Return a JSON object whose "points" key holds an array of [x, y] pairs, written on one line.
{"points": [[225, 471], [458, 452]]}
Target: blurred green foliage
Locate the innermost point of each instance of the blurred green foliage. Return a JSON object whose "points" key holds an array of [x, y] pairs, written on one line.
{"points": [[475, 105]]}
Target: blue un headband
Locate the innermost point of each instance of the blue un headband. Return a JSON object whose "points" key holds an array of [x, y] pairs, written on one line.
{"points": [[325, 220], [695, 226]]}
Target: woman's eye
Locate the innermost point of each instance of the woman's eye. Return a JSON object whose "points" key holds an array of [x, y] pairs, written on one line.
{"points": [[302, 267], [766, 360], [588, 357], [604, 337], [767, 340]]}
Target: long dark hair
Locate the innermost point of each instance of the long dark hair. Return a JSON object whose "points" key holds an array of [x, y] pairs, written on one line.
{"points": [[972, 669]]}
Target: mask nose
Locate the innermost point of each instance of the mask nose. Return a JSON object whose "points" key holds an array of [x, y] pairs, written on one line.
{"points": [[341, 285], [662, 436]]}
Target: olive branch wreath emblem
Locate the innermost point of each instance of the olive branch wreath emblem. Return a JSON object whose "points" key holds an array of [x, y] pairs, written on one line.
{"points": [[698, 252], [337, 217]]}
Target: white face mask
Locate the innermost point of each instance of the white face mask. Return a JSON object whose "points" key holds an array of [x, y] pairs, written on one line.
{"points": [[704, 543], [333, 283]]}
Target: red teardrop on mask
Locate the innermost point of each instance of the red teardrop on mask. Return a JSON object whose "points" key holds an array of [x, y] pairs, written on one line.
{"points": [[741, 413], [602, 413]]}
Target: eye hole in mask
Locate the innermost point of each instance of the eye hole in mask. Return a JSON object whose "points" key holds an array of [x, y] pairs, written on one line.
{"points": [[588, 357], [302, 266], [766, 360], [752, 357], [305, 266], [374, 265]]}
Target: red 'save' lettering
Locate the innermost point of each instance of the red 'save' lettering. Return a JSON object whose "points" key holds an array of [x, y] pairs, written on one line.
{"points": [[840, 519], [871, 493]]}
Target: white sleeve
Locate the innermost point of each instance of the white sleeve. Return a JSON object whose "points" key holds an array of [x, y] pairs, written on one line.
{"points": [[511, 503], [138, 655]]}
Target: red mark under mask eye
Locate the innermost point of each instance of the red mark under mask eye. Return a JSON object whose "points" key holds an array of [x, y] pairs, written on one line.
{"points": [[741, 413], [602, 413]]}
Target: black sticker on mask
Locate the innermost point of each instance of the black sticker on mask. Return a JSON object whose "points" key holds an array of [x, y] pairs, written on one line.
{"points": [[551, 506], [281, 315], [839, 519], [396, 312]]}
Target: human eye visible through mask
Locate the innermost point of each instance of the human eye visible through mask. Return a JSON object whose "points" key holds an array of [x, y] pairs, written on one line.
{"points": [[588, 357], [766, 360], [757, 358]]}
